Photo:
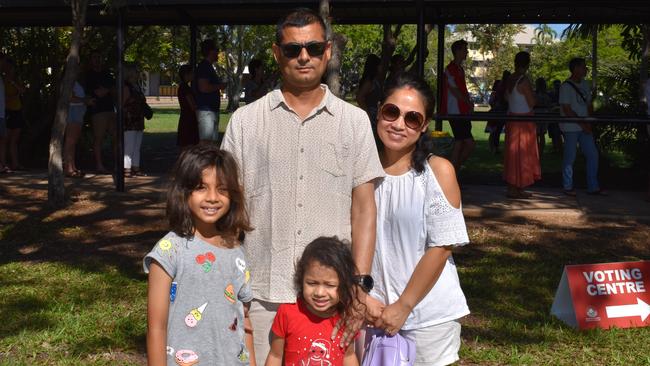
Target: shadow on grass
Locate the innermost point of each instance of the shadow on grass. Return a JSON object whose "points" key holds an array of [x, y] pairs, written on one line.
{"points": [[511, 270]]}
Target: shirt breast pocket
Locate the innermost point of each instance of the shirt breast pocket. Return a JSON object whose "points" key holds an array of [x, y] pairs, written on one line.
{"points": [[333, 158]]}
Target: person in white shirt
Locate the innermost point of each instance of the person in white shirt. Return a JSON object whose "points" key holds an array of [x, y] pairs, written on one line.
{"points": [[419, 220], [575, 101]]}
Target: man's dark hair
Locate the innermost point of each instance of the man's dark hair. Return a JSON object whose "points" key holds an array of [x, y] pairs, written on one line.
{"points": [[575, 62], [208, 45], [299, 18], [458, 45]]}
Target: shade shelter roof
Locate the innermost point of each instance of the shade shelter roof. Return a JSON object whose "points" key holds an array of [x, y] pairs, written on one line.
{"points": [[179, 12]]}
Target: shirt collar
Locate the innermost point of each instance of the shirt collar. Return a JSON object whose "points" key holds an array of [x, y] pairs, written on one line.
{"points": [[277, 100]]}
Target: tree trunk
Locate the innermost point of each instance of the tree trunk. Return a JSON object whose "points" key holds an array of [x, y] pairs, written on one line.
{"points": [[56, 184], [334, 66], [645, 58], [333, 75], [388, 45]]}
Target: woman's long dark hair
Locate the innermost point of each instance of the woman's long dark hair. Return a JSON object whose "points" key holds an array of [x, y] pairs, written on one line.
{"points": [[187, 176], [330, 252], [424, 145]]}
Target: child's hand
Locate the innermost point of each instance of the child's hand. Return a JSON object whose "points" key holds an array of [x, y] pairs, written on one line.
{"points": [[352, 323], [394, 316], [374, 308]]}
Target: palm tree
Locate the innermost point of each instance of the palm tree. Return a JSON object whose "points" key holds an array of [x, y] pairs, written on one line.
{"points": [[544, 34]]}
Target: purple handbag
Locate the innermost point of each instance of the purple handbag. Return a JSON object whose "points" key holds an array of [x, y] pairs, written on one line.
{"points": [[384, 350]]}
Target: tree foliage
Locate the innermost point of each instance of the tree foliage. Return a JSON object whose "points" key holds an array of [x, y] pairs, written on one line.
{"points": [[495, 43]]}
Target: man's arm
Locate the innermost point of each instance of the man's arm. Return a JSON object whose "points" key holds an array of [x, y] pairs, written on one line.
{"points": [[364, 223]]}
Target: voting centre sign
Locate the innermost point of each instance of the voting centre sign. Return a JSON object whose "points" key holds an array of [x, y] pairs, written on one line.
{"points": [[604, 295]]}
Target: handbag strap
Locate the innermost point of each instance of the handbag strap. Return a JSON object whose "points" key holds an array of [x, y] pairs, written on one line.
{"points": [[575, 87]]}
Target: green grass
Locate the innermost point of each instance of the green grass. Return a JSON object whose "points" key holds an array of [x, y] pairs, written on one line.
{"points": [[165, 120], [57, 314]]}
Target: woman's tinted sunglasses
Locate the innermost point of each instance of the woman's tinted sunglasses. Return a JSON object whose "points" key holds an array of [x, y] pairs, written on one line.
{"points": [[412, 119]]}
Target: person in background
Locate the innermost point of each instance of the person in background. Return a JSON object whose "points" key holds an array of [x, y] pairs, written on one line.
{"points": [[133, 102], [456, 101], [500, 106], [521, 166], [575, 101], [554, 128], [3, 123], [99, 86], [76, 112], [258, 84], [188, 126], [543, 106], [14, 90], [207, 87]]}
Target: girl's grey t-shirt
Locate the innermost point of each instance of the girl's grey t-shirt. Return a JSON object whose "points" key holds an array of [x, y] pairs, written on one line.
{"points": [[206, 314]]}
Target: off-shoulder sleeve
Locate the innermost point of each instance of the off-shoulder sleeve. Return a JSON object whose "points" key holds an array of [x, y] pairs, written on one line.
{"points": [[445, 223]]}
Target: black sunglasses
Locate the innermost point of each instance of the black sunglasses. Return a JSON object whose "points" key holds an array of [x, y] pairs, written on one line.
{"points": [[412, 119], [314, 49]]}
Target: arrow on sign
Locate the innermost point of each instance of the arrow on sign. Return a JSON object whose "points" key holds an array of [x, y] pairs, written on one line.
{"points": [[621, 311]]}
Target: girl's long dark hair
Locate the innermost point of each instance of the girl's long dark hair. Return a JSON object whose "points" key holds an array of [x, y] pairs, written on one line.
{"points": [[187, 176], [330, 252], [424, 145]]}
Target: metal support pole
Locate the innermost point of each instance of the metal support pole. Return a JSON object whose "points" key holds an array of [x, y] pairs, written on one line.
{"points": [[119, 127], [594, 64], [421, 39], [193, 36], [440, 73]]}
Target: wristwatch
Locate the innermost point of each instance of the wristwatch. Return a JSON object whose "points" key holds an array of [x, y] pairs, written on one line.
{"points": [[365, 281]]}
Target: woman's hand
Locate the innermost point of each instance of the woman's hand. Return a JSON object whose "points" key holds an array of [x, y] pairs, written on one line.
{"points": [[374, 308], [393, 317]]}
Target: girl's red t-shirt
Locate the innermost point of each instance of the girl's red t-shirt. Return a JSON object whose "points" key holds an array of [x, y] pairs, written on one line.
{"points": [[307, 336]]}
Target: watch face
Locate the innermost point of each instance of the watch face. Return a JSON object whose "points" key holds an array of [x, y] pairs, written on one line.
{"points": [[366, 282]]}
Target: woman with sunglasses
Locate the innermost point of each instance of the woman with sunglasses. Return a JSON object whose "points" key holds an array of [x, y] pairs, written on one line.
{"points": [[419, 221]]}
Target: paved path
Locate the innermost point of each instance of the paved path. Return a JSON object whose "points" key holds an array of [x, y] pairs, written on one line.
{"points": [[478, 200]]}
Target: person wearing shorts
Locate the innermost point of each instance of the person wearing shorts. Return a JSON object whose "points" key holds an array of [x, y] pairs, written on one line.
{"points": [[208, 88], [456, 101], [76, 112], [99, 84]]}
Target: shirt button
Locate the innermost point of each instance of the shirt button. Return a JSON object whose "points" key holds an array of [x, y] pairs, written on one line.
{"points": [[302, 149], [300, 177], [300, 205], [299, 232]]}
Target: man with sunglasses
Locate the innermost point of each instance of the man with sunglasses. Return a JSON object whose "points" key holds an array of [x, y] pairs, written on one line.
{"points": [[308, 160]]}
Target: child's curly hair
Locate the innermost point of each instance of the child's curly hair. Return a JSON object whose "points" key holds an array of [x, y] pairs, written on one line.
{"points": [[330, 252]]}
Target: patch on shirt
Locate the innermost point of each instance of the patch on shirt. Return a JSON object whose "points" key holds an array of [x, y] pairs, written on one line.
{"points": [[206, 260], [195, 315], [229, 293]]}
